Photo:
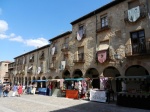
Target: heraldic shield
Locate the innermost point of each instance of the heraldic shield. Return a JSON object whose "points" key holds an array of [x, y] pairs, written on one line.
{"points": [[102, 56]]}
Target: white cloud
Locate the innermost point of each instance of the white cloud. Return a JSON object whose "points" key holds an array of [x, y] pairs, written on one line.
{"points": [[3, 26], [17, 39], [3, 36], [39, 42]]}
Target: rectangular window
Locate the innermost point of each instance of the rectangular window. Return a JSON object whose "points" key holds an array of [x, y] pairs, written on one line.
{"points": [[104, 21], [138, 41]]}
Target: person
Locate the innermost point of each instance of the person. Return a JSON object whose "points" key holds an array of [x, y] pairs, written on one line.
{"points": [[6, 90], [33, 89], [50, 87], [19, 90], [1, 88], [109, 90], [14, 89], [29, 88]]}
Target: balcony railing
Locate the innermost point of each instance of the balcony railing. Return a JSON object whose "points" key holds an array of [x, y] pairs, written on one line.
{"points": [[138, 49], [79, 58], [65, 47], [103, 28], [143, 13]]}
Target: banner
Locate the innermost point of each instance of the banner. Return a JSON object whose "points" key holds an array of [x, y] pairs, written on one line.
{"points": [[134, 14], [99, 96]]}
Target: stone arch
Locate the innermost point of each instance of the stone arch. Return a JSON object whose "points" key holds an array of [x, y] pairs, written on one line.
{"points": [[38, 83], [65, 74], [145, 65], [136, 70], [29, 80], [113, 72], [49, 77], [26, 81], [43, 83], [33, 78], [77, 73], [91, 73]]}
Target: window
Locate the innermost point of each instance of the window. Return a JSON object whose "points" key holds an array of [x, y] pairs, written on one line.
{"points": [[104, 21], [138, 41]]}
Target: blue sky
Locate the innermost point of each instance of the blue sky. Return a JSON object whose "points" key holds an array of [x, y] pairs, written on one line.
{"points": [[28, 24]]}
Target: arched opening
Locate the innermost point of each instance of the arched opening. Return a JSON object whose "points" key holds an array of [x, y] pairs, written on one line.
{"points": [[44, 82], [34, 78], [92, 73], [66, 74], [29, 80], [49, 77], [22, 80], [111, 73], [136, 70], [38, 83], [77, 74], [26, 81]]}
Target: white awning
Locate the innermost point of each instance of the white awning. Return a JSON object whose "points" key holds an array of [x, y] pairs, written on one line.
{"points": [[103, 47]]}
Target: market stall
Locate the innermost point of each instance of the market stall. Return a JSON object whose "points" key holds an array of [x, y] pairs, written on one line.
{"points": [[135, 92], [56, 91], [74, 87], [101, 90], [42, 89]]}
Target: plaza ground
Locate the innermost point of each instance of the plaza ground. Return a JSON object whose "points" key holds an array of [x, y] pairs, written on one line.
{"points": [[41, 103]]}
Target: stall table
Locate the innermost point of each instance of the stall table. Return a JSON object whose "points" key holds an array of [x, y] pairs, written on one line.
{"points": [[72, 94]]}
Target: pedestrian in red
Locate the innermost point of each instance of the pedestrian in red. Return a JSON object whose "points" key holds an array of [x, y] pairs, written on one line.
{"points": [[19, 90]]}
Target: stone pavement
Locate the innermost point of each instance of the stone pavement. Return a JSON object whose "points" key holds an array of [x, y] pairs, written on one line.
{"points": [[40, 103]]}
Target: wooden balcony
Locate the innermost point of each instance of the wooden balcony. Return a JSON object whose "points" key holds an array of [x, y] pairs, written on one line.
{"points": [[143, 13], [79, 58], [65, 47], [137, 50]]}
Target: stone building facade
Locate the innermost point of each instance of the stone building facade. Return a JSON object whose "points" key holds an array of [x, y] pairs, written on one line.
{"points": [[108, 42], [4, 75]]}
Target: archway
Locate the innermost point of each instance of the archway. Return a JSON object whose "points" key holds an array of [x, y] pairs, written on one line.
{"points": [[112, 72], [38, 83], [43, 83], [49, 77], [66, 74], [77, 73], [29, 79], [92, 73], [26, 81], [136, 70]]}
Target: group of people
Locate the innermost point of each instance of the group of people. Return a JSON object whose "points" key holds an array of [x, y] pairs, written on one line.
{"points": [[5, 89]]}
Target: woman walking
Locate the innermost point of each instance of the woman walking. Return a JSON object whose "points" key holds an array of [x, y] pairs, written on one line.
{"points": [[19, 90], [14, 89]]}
